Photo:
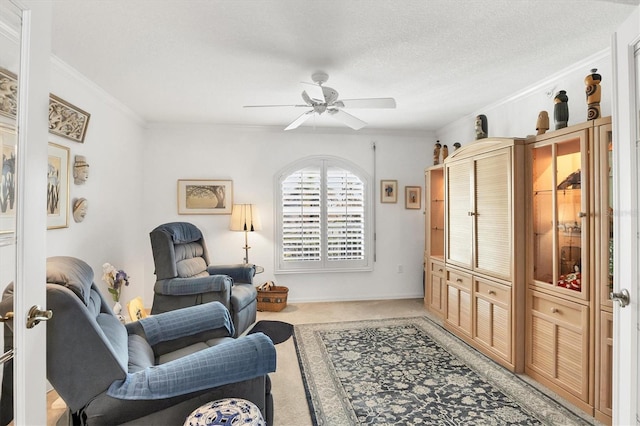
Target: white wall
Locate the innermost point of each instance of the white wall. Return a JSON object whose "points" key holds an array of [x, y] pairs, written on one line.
{"points": [[134, 172], [251, 157], [111, 231], [516, 115]]}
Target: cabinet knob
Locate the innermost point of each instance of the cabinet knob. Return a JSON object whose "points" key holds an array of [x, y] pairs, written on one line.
{"points": [[459, 280], [582, 214], [554, 310], [440, 270], [471, 213], [492, 292]]}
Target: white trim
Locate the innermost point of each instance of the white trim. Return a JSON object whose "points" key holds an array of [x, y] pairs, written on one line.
{"points": [[542, 85], [99, 91]]}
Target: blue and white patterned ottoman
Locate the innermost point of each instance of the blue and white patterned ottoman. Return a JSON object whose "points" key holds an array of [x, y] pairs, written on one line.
{"points": [[228, 411]]}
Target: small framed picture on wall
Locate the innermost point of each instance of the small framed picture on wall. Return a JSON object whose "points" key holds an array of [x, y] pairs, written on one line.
{"points": [[388, 191], [412, 197]]}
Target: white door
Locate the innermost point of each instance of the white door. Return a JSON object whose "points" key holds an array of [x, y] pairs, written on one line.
{"points": [[25, 54], [626, 107]]}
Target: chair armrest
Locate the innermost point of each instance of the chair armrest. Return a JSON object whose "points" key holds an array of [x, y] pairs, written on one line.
{"points": [[184, 322], [241, 272], [241, 359], [198, 285]]}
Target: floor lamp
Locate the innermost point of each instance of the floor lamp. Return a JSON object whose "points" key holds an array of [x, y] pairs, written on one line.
{"points": [[244, 217]]}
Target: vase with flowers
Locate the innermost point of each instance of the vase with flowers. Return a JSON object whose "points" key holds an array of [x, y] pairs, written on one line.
{"points": [[115, 279]]}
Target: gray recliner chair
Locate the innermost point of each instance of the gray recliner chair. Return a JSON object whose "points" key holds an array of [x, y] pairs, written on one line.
{"points": [[184, 276], [153, 371]]}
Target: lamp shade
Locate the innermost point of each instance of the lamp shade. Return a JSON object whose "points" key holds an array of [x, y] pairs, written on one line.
{"points": [[244, 217]]}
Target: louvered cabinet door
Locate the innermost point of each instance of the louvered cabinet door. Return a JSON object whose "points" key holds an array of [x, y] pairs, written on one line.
{"points": [[459, 315], [558, 346], [459, 223], [437, 288], [493, 218], [492, 326]]}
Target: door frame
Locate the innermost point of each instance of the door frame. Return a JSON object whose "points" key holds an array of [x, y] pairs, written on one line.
{"points": [[29, 384], [625, 201]]}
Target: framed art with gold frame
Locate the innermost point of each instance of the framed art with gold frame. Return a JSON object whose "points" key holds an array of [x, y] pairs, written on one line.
{"points": [[204, 196], [58, 187]]}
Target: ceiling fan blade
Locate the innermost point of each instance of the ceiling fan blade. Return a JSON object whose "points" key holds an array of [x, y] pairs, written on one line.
{"points": [[314, 91], [346, 118], [367, 103], [270, 106], [301, 119]]}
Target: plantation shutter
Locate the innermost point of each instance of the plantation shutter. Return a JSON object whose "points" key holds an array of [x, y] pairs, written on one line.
{"points": [[301, 212], [345, 215]]}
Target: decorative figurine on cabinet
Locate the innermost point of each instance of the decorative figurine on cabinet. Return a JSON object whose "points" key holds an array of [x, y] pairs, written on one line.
{"points": [[561, 109], [445, 152], [456, 146], [436, 153], [481, 127], [542, 125], [593, 94]]}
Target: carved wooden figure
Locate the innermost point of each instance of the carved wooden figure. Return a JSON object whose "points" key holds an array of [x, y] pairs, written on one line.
{"points": [[436, 153], [593, 92], [542, 125], [561, 109]]}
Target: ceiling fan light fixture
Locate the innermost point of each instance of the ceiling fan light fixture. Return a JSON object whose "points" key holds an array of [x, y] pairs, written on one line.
{"points": [[320, 99]]}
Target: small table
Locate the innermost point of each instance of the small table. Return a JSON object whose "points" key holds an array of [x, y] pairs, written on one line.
{"points": [[228, 412]]}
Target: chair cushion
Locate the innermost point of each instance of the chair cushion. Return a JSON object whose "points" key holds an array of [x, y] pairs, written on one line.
{"points": [[180, 232], [191, 267], [140, 354], [72, 273]]}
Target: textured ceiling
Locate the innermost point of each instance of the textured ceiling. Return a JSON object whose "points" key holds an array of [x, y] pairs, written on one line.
{"points": [[202, 60]]}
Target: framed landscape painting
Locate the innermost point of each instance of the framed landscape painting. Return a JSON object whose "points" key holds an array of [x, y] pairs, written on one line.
{"points": [[58, 187], [205, 196]]}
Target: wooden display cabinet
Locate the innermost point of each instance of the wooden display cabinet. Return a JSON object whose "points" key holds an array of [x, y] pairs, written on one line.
{"points": [[484, 243], [559, 197], [434, 269], [569, 315], [603, 253]]}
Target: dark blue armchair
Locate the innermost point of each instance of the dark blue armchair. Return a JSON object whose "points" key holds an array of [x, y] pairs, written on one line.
{"points": [[184, 276]]}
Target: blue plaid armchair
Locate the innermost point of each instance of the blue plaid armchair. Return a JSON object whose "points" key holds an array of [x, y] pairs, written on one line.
{"points": [[152, 371], [184, 276]]}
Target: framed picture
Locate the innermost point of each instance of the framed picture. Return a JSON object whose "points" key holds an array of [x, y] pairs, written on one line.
{"points": [[8, 143], [67, 120], [388, 191], [205, 196], [58, 187], [8, 93], [412, 197]]}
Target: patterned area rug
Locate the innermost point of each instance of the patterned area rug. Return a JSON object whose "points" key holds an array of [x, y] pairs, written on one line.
{"points": [[410, 371]]}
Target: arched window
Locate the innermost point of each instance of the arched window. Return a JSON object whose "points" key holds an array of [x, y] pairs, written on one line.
{"points": [[323, 217]]}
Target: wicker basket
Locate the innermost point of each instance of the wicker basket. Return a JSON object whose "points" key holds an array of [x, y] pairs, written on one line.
{"points": [[272, 298]]}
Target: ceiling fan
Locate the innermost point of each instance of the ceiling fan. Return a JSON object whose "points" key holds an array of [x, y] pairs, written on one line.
{"points": [[323, 99]]}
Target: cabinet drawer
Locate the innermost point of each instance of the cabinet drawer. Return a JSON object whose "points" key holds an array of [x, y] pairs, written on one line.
{"points": [[560, 310], [436, 268], [459, 279], [494, 292]]}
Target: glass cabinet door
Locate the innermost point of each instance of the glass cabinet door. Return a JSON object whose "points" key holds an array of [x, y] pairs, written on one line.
{"points": [[558, 216], [605, 174]]}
